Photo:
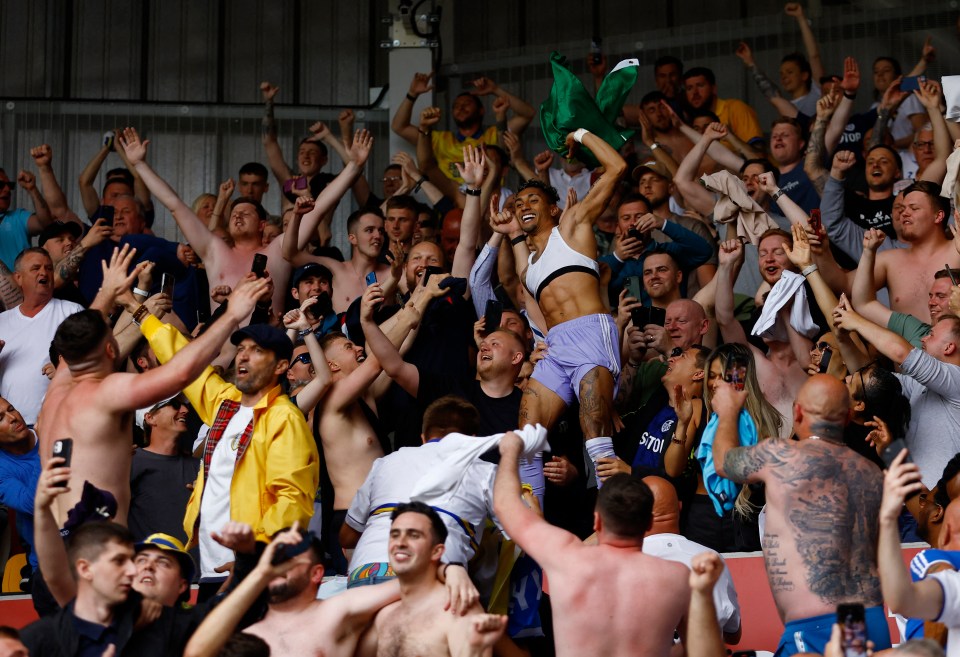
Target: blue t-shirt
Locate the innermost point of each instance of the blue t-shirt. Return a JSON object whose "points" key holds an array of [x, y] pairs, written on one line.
{"points": [[18, 484], [798, 187], [13, 235]]}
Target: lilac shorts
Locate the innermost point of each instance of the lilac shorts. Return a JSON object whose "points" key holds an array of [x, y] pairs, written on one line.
{"points": [[573, 349]]}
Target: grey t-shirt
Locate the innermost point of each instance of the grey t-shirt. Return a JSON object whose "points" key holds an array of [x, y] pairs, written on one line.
{"points": [[933, 436]]}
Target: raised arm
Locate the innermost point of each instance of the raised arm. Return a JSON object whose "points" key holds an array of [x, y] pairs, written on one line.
{"points": [[864, 293], [507, 225], [51, 551], [816, 152], [838, 123], [472, 171], [426, 159], [523, 112], [281, 171], [586, 212], [56, 200], [313, 392], [517, 158], [764, 83], [694, 194], [322, 133], [420, 84], [41, 216], [886, 342], [194, 230], [923, 599], [549, 546], [795, 9], [929, 96], [722, 156], [793, 212], [733, 462], [217, 219], [405, 374], [731, 259], [704, 637], [88, 193]]}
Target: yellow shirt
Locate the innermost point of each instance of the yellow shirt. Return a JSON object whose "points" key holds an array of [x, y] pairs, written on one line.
{"points": [[275, 481], [741, 118], [448, 148]]}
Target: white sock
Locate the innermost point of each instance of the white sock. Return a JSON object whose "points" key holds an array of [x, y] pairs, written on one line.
{"points": [[597, 448]]}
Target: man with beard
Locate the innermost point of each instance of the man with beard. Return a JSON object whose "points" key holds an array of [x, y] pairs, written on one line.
{"points": [[700, 89], [873, 210]]}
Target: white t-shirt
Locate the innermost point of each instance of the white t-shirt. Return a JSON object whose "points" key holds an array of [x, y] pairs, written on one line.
{"points": [[27, 350], [949, 580], [390, 481], [215, 504], [674, 547]]}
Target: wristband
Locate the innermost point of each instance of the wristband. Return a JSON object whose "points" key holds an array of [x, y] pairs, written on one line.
{"points": [[776, 195], [412, 99], [425, 133], [619, 259], [416, 188], [578, 135], [850, 96], [471, 192], [809, 270], [304, 333], [140, 313], [140, 293], [519, 238]]}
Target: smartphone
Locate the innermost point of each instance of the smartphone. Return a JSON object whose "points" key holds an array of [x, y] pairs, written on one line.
{"points": [[953, 279], [104, 212], [912, 83], [430, 271], [816, 223], [64, 449], [853, 629], [658, 316], [286, 552], [596, 55], [640, 316], [108, 138], [825, 356], [736, 372], [166, 284], [259, 265], [634, 287], [643, 238], [892, 450], [371, 278], [492, 314]]}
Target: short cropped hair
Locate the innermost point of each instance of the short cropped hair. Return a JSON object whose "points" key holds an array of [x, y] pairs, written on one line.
{"points": [[253, 169], [79, 334], [439, 529], [634, 197], [625, 505], [89, 540], [451, 414], [765, 163], [667, 60], [256, 204], [951, 470], [893, 152], [698, 71], [39, 250], [354, 218], [403, 202], [243, 644]]}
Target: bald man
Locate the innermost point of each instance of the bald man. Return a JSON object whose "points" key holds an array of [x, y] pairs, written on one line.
{"points": [[823, 501], [663, 540]]}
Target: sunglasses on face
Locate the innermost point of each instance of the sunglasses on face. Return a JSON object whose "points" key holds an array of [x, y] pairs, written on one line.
{"points": [[303, 358], [7, 184]]}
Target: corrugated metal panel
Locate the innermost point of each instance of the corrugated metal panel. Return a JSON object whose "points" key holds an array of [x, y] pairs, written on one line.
{"points": [[106, 51], [183, 51]]}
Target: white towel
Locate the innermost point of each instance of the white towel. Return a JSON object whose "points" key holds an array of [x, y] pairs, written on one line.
{"points": [[459, 451], [950, 180], [951, 91], [790, 286]]}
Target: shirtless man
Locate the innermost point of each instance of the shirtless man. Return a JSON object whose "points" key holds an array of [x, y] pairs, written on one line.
{"points": [[366, 234], [823, 501], [93, 404], [779, 371], [227, 264], [416, 625], [595, 610], [582, 355], [297, 623]]}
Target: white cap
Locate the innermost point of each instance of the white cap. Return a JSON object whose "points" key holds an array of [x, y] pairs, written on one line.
{"points": [[140, 414]]}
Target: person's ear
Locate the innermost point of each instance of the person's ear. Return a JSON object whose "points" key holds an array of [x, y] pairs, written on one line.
{"points": [[517, 358], [184, 585], [352, 239], [316, 573], [333, 365], [282, 366], [437, 552], [950, 348], [597, 522], [797, 414], [859, 406], [698, 375]]}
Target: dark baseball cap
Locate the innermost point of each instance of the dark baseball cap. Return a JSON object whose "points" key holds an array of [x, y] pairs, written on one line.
{"points": [[58, 228], [310, 269], [268, 337]]}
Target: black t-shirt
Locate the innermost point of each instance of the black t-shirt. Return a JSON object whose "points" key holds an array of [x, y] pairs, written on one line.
{"points": [[159, 493], [869, 214], [497, 415]]}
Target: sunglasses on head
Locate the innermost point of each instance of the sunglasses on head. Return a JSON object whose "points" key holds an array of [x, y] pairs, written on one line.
{"points": [[303, 358]]}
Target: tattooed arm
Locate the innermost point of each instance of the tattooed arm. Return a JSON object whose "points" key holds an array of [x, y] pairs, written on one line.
{"points": [[814, 158], [10, 293], [739, 464]]}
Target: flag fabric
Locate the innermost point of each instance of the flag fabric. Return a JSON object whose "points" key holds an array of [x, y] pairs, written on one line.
{"points": [[570, 107]]}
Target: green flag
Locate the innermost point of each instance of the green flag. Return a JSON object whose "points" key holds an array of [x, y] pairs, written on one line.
{"points": [[570, 107]]}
